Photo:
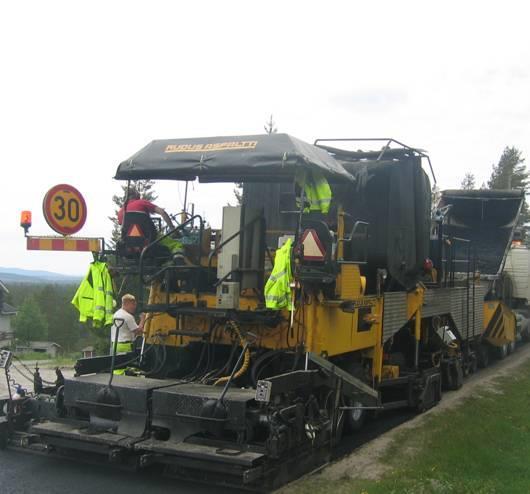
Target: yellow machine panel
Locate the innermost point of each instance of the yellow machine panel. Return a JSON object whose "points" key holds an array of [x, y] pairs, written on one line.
{"points": [[499, 323]]}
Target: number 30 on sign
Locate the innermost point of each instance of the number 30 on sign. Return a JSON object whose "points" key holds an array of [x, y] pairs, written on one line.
{"points": [[64, 209]]}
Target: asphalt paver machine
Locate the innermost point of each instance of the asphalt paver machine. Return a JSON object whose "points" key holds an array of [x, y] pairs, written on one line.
{"points": [[226, 389]]}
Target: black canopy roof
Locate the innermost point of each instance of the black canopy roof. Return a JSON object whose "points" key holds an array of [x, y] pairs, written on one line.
{"points": [[254, 158]]}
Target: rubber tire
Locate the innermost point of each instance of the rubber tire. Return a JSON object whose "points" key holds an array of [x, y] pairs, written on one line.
{"points": [[340, 430], [354, 419], [473, 365], [511, 347], [4, 431], [502, 352], [483, 356], [455, 376]]}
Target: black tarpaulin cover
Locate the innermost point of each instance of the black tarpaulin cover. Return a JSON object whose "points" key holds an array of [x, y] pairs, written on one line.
{"points": [[394, 197], [487, 218], [258, 158]]}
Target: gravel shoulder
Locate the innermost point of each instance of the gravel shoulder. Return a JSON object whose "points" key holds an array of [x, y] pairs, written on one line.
{"points": [[21, 375]]}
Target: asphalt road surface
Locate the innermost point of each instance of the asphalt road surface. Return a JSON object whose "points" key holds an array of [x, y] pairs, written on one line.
{"points": [[24, 473]]}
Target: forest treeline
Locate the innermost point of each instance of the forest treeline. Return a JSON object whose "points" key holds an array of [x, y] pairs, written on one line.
{"points": [[45, 313]]}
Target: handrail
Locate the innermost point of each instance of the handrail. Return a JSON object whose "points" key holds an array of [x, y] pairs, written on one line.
{"points": [[354, 230], [159, 239], [386, 147], [229, 239]]}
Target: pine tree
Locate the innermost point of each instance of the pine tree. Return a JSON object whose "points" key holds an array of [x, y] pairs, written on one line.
{"points": [[511, 173], [144, 188], [60, 315], [30, 324], [270, 128], [435, 198], [468, 182]]}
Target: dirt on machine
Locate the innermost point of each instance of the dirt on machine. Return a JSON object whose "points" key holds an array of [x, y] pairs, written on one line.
{"points": [[334, 291]]}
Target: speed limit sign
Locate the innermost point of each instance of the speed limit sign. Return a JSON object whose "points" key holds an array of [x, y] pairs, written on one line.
{"points": [[64, 209]]}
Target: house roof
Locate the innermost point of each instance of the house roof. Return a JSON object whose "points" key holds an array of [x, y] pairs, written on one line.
{"points": [[33, 344], [7, 310], [3, 287]]}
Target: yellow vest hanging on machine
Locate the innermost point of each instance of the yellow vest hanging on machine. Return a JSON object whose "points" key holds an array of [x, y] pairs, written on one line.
{"points": [[277, 288]]}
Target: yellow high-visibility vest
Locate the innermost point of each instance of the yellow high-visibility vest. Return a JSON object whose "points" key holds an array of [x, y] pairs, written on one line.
{"points": [[94, 299], [277, 288], [317, 191]]}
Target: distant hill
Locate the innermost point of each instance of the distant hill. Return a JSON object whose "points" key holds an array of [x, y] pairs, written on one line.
{"points": [[16, 275]]}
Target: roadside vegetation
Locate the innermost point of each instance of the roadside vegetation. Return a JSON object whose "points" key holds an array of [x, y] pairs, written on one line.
{"points": [[46, 314], [48, 360], [480, 447]]}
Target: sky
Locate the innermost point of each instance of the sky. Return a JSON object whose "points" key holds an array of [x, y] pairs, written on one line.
{"points": [[84, 85]]}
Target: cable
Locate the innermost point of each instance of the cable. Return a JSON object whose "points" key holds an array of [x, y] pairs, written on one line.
{"points": [[30, 371], [159, 362], [15, 384], [246, 360]]}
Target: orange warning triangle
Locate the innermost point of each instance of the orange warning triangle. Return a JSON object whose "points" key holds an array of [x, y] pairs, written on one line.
{"points": [[313, 248], [135, 231]]}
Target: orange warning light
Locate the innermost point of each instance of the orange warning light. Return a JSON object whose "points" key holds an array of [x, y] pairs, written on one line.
{"points": [[25, 220]]}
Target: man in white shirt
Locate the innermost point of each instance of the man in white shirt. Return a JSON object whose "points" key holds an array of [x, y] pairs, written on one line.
{"points": [[125, 322]]}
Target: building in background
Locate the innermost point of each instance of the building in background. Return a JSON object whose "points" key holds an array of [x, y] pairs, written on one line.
{"points": [[47, 348], [88, 352]]}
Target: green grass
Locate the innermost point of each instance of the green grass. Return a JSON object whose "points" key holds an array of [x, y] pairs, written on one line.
{"points": [[480, 447], [33, 356], [62, 360]]}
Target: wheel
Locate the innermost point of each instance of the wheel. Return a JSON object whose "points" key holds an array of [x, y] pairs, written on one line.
{"points": [[473, 364], [483, 355], [525, 330], [339, 427], [470, 365], [454, 375], [502, 351], [431, 395], [511, 347], [4, 430], [353, 419]]}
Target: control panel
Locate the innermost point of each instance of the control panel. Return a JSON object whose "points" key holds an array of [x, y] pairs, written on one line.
{"points": [[263, 391]]}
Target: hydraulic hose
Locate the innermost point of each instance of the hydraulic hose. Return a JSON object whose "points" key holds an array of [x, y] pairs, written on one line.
{"points": [[246, 359]]}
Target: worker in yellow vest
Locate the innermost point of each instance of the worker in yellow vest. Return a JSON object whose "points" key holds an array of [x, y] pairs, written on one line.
{"points": [[124, 326], [317, 192]]}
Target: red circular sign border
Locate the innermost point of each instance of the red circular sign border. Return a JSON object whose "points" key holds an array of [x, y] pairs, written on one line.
{"points": [[46, 206]]}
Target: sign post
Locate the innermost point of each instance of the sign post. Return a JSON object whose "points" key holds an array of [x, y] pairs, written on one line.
{"points": [[65, 212]]}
